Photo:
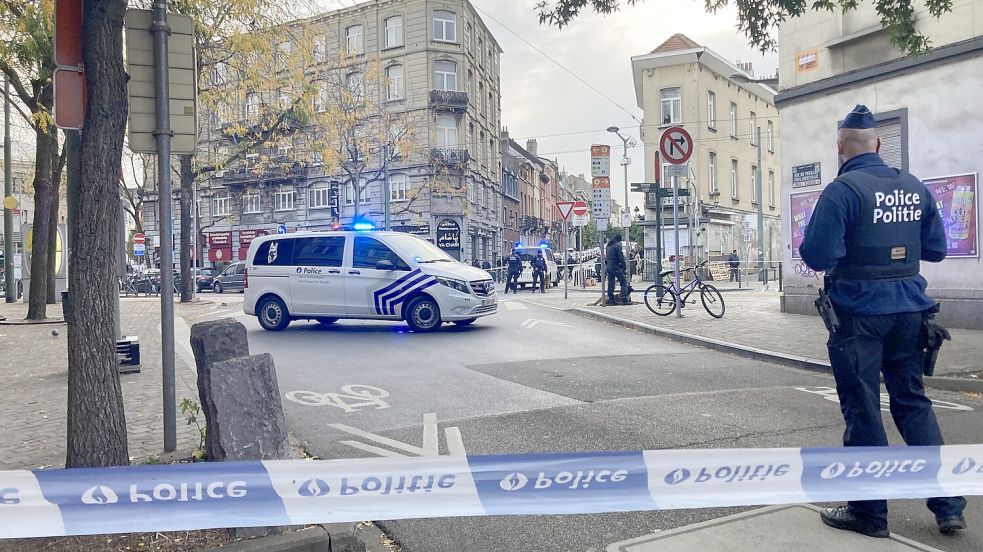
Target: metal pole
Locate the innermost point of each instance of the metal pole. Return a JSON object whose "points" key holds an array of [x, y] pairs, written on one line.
{"points": [[675, 264], [386, 191], [10, 285], [161, 31], [566, 281], [761, 216], [625, 162]]}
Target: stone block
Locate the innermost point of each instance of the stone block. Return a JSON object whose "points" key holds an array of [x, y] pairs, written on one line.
{"points": [[211, 342]]}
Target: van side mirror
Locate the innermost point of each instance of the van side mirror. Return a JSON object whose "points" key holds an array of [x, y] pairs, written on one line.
{"points": [[385, 264]]}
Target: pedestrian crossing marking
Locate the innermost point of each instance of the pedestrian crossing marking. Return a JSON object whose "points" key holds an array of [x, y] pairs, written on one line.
{"points": [[514, 305]]}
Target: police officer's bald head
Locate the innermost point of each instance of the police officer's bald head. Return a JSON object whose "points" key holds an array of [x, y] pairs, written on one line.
{"points": [[857, 134]]}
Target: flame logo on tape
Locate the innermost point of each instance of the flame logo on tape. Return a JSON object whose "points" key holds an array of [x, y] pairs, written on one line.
{"points": [[100, 494], [964, 466], [314, 487], [513, 481], [833, 470], [677, 476]]}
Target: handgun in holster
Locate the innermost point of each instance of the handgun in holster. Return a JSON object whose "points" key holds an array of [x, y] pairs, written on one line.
{"points": [[931, 338], [826, 310]]}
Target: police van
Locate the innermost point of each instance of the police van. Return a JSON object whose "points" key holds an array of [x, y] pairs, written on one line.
{"points": [[327, 276], [528, 253]]}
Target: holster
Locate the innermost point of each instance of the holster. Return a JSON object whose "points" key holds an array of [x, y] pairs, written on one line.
{"points": [[931, 338], [826, 311]]}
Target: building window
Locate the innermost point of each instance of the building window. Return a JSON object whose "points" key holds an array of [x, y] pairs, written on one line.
{"points": [[394, 82], [319, 49], [481, 97], [356, 85], [733, 120], [284, 99], [284, 199], [711, 111], [771, 189], [320, 100], [447, 131], [317, 196], [753, 128], [712, 172], [481, 53], [668, 181], [733, 179], [468, 39], [284, 51], [394, 31], [221, 206], [363, 194], [317, 158], [754, 184], [445, 75], [672, 106], [251, 204], [252, 106], [399, 187], [771, 137], [444, 26], [353, 40]]}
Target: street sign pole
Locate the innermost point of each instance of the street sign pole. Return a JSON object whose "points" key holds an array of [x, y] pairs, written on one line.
{"points": [[658, 224], [160, 32], [675, 264], [10, 285]]}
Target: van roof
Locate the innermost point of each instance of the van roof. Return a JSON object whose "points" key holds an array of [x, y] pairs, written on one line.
{"points": [[309, 233]]}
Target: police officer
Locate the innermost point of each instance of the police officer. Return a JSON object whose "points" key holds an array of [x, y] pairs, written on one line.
{"points": [[539, 272], [514, 270], [871, 227], [616, 265], [570, 262]]}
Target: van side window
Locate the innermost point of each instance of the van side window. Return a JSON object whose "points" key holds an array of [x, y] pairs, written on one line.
{"points": [[240, 268], [369, 251], [274, 253], [320, 251]]}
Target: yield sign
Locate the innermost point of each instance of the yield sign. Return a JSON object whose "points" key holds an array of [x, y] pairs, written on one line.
{"points": [[564, 207], [676, 145], [580, 208]]}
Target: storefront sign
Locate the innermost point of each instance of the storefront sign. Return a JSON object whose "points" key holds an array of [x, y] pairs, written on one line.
{"points": [[415, 229], [219, 239], [448, 234], [246, 237], [957, 199], [806, 175], [802, 206]]}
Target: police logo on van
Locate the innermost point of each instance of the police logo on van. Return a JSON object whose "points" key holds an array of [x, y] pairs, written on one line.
{"points": [[100, 494], [677, 476], [314, 487], [513, 481]]}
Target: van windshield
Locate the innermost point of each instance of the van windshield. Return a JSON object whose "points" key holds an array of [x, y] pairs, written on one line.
{"points": [[420, 250], [529, 254]]}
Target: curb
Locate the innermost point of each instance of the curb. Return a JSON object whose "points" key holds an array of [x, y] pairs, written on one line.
{"points": [[311, 539], [46, 321], [816, 365]]}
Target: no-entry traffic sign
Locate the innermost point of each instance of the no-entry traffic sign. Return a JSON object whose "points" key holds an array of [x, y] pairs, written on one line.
{"points": [[676, 145], [139, 238], [580, 208]]}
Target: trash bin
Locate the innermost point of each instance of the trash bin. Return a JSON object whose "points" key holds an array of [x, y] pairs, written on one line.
{"points": [[66, 304]]}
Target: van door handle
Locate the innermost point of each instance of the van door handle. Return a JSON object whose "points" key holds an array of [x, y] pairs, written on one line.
{"points": [[354, 272], [334, 272]]}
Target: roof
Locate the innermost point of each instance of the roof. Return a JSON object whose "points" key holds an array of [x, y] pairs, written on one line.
{"points": [[677, 41]]}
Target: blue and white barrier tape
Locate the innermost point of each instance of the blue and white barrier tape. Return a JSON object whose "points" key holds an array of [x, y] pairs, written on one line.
{"points": [[248, 494]]}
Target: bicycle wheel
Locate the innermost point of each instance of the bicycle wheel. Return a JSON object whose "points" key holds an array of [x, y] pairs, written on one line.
{"points": [[712, 301], [660, 300]]}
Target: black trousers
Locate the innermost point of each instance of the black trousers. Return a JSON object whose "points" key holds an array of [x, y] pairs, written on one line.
{"points": [[539, 276], [861, 350], [512, 282], [620, 276]]}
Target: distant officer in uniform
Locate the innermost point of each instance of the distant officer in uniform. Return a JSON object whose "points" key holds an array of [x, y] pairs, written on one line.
{"points": [[539, 272], [514, 263], [871, 227]]}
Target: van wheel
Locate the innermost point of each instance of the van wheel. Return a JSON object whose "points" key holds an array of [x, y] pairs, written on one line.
{"points": [[423, 315], [326, 320], [217, 287], [467, 322], [272, 314]]}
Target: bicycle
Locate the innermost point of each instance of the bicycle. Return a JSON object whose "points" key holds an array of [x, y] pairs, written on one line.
{"points": [[661, 298]]}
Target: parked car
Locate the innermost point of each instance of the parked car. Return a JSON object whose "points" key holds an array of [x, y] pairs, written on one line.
{"points": [[233, 278], [205, 277]]}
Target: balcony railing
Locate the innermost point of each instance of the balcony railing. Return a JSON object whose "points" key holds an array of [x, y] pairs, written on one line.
{"points": [[450, 156], [449, 100]]}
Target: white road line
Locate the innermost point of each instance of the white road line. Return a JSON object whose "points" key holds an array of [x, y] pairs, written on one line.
{"points": [[430, 435], [514, 305], [379, 439], [455, 443], [372, 449]]}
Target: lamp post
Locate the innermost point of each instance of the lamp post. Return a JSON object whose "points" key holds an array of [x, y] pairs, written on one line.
{"points": [[625, 161]]}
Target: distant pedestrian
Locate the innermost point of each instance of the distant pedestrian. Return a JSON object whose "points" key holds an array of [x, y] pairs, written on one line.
{"points": [[539, 272], [734, 262], [485, 265], [570, 262], [617, 265], [514, 263]]}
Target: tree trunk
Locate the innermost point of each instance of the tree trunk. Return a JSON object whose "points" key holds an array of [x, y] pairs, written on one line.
{"points": [[96, 421], [44, 159], [187, 201]]}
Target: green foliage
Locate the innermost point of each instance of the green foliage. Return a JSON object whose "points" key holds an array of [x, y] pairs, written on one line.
{"points": [[192, 410], [757, 18]]}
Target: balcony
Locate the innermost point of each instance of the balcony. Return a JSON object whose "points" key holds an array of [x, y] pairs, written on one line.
{"points": [[450, 157], [449, 100]]}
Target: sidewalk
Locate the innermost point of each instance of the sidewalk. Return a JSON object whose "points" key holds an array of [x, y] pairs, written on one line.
{"points": [[34, 370], [753, 325]]}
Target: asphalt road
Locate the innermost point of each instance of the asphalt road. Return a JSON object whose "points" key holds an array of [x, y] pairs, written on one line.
{"points": [[535, 379]]}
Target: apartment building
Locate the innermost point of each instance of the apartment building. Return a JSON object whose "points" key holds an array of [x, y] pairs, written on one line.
{"points": [[682, 83], [927, 108]]}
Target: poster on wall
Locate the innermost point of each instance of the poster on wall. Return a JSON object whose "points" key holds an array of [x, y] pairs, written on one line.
{"points": [[802, 206], [956, 199]]}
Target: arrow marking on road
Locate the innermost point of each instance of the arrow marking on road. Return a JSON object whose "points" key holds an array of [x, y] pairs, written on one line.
{"points": [[533, 322], [431, 440]]}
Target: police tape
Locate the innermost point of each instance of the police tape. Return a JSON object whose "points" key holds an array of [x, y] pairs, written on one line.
{"points": [[291, 492]]}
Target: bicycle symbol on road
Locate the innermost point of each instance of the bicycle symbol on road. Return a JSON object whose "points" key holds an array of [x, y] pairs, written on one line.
{"points": [[351, 399]]}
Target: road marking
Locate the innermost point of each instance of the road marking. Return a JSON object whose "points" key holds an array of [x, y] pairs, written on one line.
{"points": [[533, 322], [351, 399], [431, 444], [829, 394], [514, 305], [216, 314]]}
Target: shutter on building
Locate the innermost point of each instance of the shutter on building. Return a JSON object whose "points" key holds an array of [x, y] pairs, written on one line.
{"points": [[890, 133]]}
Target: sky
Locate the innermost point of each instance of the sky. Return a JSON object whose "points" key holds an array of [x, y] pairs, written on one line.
{"points": [[541, 100]]}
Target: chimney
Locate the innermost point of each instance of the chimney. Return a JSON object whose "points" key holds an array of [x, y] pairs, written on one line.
{"points": [[505, 135], [532, 147]]}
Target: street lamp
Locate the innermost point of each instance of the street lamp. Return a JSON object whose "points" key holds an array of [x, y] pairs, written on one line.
{"points": [[625, 161]]}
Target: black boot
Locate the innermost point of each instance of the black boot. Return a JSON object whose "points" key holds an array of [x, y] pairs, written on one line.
{"points": [[842, 518]]}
